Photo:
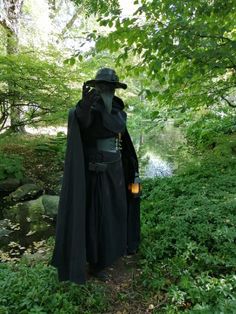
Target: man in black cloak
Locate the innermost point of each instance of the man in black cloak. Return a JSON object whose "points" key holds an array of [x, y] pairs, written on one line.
{"points": [[98, 217]]}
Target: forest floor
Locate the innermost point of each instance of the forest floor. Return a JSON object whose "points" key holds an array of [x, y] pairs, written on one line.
{"points": [[124, 294]]}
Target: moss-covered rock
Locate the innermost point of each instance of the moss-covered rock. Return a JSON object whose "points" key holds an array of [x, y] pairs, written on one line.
{"points": [[9, 184], [50, 203], [25, 192], [29, 212]]}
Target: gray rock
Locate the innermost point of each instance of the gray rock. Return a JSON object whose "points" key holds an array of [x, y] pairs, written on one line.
{"points": [[35, 212], [26, 180], [9, 184], [29, 212], [24, 192], [50, 203]]}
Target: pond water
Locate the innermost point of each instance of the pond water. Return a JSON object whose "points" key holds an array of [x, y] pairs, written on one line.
{"points": [[158, 150], [154, 166]]}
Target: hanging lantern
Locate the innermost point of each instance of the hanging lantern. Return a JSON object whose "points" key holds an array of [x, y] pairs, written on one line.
{"points": [[135, 187]]}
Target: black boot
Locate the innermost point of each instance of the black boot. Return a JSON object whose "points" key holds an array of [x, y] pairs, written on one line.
{"points": [[98, 273]]}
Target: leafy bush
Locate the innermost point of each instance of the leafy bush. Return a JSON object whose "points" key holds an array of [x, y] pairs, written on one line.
{"points": [[188, 249], [206, 131], [207, 294], [55, 145], [42, 156], [44, 88], [11, 166], [26, 289]]}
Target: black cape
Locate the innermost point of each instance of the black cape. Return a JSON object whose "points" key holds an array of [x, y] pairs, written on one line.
{"points": [[69, 254]]}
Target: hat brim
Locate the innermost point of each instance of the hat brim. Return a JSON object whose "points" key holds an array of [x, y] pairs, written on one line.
{"points": [[117, 84]]}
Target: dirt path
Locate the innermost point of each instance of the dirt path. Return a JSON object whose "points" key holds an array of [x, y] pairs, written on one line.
{"points": [[125, 295]]}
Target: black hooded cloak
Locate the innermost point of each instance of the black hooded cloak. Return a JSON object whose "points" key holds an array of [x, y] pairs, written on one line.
{"points": [[79, 215]]}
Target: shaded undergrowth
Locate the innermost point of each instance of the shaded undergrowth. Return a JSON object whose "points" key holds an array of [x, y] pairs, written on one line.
{"points": [[188, 252], [186, 262]]}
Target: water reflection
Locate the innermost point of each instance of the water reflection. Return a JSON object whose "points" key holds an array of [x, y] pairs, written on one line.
{"points": [[154, 166]]}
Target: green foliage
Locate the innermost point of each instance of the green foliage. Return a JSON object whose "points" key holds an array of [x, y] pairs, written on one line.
{"points": [[187, 255], [11, 166], [41, 156], [2, 38], [56, 145], [206, 131], [27, 289], [207, 294], [188, 227], [42, 90], [99, 7], [186, 47]]}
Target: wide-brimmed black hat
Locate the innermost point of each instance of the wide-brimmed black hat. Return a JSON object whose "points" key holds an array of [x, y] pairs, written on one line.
{"points": [[107, 75]]}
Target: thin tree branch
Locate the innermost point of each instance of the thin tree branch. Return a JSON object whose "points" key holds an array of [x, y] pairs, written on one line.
{"points": [[68, 25]]}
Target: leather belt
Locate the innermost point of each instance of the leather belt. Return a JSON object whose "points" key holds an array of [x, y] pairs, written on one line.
{"points": [[101, 166], [111, 144], [97, 166]]}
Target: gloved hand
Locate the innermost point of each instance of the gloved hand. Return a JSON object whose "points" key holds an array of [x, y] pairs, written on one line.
{"points": [[85, 90], [83, 108], [89, 97]]}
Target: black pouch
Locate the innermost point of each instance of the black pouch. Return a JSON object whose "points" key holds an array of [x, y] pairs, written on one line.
{"points": [[97, 166]]}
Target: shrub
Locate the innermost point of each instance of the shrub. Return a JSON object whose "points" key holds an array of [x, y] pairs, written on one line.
{"points": [[188, 249], [26, 289], [11, 166], [206, 131]]}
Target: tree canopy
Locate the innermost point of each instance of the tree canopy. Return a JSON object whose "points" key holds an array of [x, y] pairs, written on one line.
{"points": [[176, 55], [186, 47]]}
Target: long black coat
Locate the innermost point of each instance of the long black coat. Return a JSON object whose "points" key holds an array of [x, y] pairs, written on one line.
{"points": [[69, 254]]}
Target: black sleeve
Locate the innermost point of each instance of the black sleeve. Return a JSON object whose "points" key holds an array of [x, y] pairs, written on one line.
{"points": [[84, 114], [115, 122]]}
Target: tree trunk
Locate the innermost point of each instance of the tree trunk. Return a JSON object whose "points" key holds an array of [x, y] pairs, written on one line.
{"points": [[10, 22]]}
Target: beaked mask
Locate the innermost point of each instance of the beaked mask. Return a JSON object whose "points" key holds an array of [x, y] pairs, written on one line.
{"points": [[107, 92]]}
